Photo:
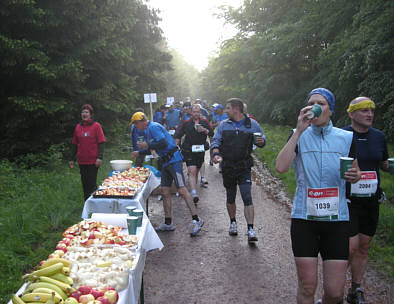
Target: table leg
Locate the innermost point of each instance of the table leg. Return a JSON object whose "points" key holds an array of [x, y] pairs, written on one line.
{"points": [[142, 297]]}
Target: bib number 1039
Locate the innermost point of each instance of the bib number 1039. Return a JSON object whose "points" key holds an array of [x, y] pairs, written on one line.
{"points": [[322, 203]]}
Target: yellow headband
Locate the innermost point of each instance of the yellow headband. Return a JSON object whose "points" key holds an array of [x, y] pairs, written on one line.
{"points": [[365, 104]]}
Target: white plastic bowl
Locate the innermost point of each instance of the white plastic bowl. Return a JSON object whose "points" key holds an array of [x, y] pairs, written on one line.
{"points": [[120, 165]]}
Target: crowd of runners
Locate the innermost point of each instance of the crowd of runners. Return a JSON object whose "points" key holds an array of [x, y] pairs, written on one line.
{"points": [[333, 215]]}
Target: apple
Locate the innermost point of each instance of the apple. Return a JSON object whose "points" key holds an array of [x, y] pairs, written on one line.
{"points": [[109, 241], [85, 289], [106, 288], [53, 256], [86, 298], [91, 236], [60, 252], [65, 241], [103, 300], [97, 293], [94, 302], [71, 300], [111, 295], [76, 294]]}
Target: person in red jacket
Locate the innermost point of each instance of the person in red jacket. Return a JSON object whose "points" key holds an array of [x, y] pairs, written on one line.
{"points": [[88, 147]]}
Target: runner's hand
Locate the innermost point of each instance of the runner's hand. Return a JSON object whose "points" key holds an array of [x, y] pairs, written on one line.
{"points": [[98, 162], [303, 123], [217, 159], [71, 164], [135, 154]]}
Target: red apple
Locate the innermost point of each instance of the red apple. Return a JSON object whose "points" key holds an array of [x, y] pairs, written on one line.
{"points": [[108, 241], [108, 288], [85, 290], [84, 299], [112, 296], [76, 294], [91, 236], [97, 293], [103, 300]]}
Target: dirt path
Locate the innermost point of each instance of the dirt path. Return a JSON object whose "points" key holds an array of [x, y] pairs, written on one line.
{"points": [[217, 268]]}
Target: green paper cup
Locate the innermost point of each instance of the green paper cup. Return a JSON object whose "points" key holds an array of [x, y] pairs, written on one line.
{"points": [[391, 164], [255, 136], [130, 210], [140, 214], [132, 224], [346, 164], [140, 138], [314, 112]]}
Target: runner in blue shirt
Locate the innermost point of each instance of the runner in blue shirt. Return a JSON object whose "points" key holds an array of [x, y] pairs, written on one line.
{"points": [[160, 142], [172, 118], [372, 155]]}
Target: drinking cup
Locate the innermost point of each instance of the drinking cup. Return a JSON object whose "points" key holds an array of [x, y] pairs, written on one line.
{"points": [[391, 163], [314, 112], [346, 164], [130, 210], [139, 213], [256, 135], [132, 224]]}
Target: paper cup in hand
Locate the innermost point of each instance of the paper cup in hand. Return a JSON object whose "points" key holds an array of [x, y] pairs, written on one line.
{"points": [[132, 223], [139, 213], [346, 164], [130, 210], [391, 164], [256, 135], [197, 127]]}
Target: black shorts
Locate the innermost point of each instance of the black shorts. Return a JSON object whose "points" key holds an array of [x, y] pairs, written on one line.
{"points": [[331, 239], [364, 216], [233, 177], [193, 159], [172, 172]]}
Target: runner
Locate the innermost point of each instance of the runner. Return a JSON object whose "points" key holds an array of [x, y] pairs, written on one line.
{"points": [[217, 117], [159, 140], [196, 131], [372, 154], [136, 136], [232, 145], [320, 217]]}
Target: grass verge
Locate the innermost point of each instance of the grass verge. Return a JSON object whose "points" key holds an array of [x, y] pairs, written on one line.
{"points": [[381, 253]]}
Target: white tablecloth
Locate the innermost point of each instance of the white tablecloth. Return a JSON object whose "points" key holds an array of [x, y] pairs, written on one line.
{"points": [[110, 205]]}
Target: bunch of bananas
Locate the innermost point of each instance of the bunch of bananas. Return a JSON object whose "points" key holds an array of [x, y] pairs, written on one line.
{"points": [[50, 284]]}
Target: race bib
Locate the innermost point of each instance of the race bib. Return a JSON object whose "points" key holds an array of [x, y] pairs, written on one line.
{"points": [[322, 204], [198, 148], [172, 132], [366, 186], [149, 157]]}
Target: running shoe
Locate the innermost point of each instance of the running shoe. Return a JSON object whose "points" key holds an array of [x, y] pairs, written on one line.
{"points": [[211, 162], [195, 199], [204, 181], [159, 197], [319, 302], [252, 236], [355, 297], [165, 227], [195, 227], [233, 229]]}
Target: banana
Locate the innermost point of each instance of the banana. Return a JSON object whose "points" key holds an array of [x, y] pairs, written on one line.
{"points": [[17, 300], [63, 286], [46, 290], [62, 278], [53, 287], [55, 268], [40, 297], [66, 271], [49, 262]]}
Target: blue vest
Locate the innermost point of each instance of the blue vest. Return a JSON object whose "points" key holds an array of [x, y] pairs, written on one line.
{"points": [[317, 165]]}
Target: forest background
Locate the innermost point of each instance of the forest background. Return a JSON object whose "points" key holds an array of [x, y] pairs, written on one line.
{"points": [[58, 55]]}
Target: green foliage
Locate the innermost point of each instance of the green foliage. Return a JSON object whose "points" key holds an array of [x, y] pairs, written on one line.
{"points": [[285, 48], [58, 55]]}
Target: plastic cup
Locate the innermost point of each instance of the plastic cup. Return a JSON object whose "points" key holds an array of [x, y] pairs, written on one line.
{"points": [[140, 139], [132, 224], [256, 135], [139, 213], [391, 164], [315, 111], [130, 210], [346, 164]]}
